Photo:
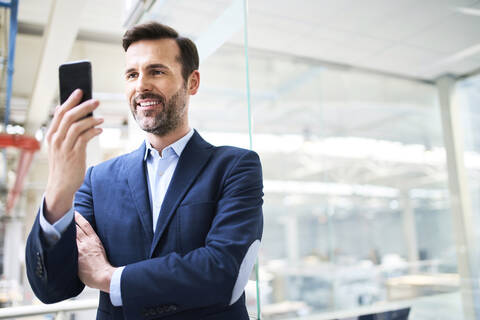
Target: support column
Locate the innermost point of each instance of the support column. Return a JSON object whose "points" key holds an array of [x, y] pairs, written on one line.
{"points": [[410, 231], [459, 198]]}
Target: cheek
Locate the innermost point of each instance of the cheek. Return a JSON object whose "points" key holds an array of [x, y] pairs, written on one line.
{"points": [[129, 92], [166, 85]]}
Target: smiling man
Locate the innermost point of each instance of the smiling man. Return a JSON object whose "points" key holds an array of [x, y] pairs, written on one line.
{"points": [[168, 231]]}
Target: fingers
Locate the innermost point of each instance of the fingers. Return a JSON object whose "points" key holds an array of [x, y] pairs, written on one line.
{"points": [[71, 116], [81, 236], [88, 135], [79, 128], [84, 226], [60, 110]]}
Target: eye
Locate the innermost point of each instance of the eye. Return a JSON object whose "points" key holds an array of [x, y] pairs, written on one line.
{"points": [[157, 72], [131, 75]]}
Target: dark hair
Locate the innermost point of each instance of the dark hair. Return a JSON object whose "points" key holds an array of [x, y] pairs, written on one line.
{"points": [[154, 30]]}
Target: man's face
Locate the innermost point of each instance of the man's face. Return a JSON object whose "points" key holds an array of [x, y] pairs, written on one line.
{"points": [[155, 87]]}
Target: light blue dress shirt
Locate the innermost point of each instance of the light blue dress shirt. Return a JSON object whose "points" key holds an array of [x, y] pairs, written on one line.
{"points": [[160, 169]]}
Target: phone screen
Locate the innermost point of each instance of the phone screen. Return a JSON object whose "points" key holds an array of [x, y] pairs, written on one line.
{"points": [[75, 75]]}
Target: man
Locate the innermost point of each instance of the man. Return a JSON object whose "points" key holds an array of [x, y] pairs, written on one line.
{"points": [[169, 231]]}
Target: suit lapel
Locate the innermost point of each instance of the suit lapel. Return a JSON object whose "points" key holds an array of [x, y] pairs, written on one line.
{"points": [[137, 181], [190, 164]]}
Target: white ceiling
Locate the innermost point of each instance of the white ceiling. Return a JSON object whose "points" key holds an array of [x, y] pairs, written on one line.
{"points": [[301, 44], [419, 39], [301, 56], [409, 37]]}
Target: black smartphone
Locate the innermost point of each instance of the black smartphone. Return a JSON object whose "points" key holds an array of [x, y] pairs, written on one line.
{"points": [[75, 75]]}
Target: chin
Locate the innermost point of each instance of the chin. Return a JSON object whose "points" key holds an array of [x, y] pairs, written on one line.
{"points": [[144, 124]]}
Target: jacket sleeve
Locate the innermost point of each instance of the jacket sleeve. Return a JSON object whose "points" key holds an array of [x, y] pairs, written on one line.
{"points": [[209, 275], [52, 270]]}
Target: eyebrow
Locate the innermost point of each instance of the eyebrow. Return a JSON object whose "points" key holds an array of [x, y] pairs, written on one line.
{"points": [[150, 66]]}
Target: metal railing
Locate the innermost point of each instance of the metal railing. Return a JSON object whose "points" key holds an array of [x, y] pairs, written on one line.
{"points": [[60, 309]]}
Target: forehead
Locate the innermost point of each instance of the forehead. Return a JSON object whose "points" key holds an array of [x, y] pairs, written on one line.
{"points": [[163, 51]]}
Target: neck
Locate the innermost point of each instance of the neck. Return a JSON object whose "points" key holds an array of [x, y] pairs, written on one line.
{"points": [[160, 142]]}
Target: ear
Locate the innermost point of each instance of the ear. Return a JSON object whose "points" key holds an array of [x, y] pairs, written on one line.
{"points": [[193, 82]]}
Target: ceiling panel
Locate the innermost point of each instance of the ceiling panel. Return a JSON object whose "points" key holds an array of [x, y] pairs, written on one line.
{"points": [[416, 34], [34, 11], [462, 67], [266, 20], [408, 37], [406, 56], [94, 16], [409, 20], [268, 32], [399, 58], [454, 34], [300, 10], [357, 14]]}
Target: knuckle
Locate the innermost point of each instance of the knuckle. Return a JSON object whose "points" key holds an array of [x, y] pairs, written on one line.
{"points": [[50, 131], [69, 116], [48, 137], [58, 112], [75, 127], [82, 139], [55, 140]]}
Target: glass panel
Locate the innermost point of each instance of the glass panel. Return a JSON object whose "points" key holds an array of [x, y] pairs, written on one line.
{"points": [[356, 200], [468, 98]]}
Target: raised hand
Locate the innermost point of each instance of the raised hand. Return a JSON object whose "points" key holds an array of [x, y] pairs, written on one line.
{"points": [[67, 140]]}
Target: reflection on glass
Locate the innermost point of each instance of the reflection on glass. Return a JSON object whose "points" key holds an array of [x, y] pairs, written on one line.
{"points": [[356, 200]]}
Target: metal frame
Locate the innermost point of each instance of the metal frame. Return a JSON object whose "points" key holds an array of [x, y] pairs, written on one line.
{"points": [[28, 146], [13, 6]]}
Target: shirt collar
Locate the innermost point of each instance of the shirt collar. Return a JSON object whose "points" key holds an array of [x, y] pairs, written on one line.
{"points": [[177, 146]]}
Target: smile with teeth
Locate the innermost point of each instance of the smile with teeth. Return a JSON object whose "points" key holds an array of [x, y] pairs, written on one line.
{"points": [[148, 103]]}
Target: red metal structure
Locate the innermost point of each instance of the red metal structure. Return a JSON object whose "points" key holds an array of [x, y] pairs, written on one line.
{"points": [[28, 146]]}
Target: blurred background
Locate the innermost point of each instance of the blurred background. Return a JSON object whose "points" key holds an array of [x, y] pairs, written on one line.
{"points": [[366, 116]]}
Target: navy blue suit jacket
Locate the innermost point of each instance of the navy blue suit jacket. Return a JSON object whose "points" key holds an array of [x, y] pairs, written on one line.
{"points": [[187, 269]]}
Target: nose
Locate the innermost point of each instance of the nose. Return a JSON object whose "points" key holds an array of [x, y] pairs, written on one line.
{"points": [[143, 84]]}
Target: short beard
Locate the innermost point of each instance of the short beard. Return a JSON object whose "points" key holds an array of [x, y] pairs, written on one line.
{"points": [[168, 119]]}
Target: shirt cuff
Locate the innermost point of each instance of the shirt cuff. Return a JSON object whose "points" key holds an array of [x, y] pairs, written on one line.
{"points": [[52, 233], [115, 288]]}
